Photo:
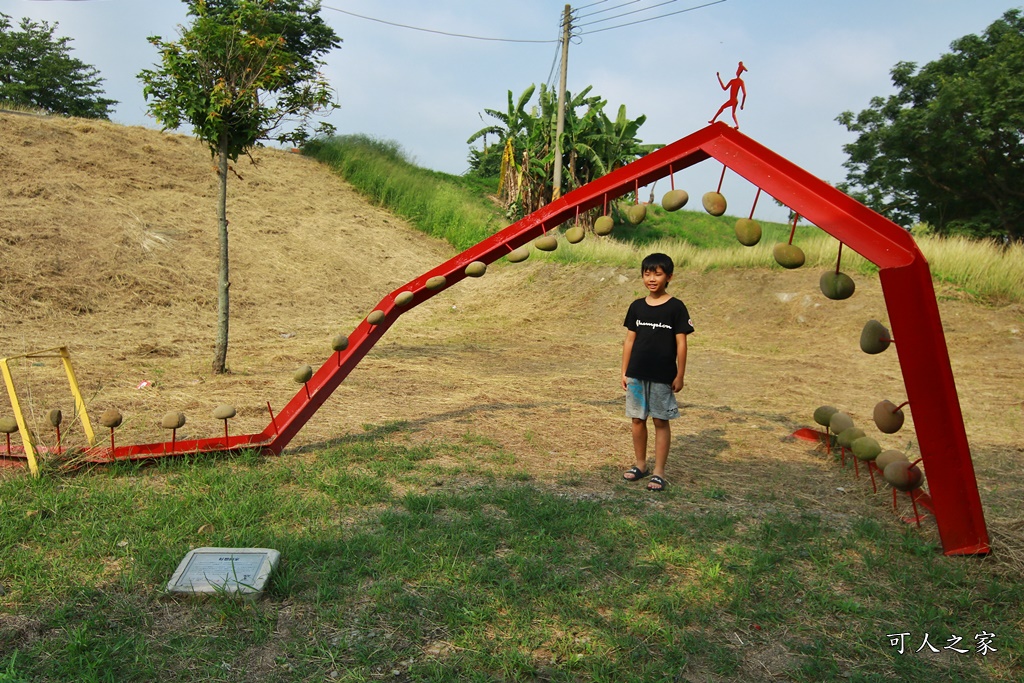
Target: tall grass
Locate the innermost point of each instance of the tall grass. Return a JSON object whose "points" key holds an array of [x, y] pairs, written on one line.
{"points": [[435, 203], [819, 248], [983, 268], [11, 107], [459, 210]]}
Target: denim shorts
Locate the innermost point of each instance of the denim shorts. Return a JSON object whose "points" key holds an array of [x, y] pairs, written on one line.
{"points": [[654, 399]]}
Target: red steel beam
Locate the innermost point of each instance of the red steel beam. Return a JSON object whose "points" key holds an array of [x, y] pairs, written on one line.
{"points": [[906, 286], [914, 319]]}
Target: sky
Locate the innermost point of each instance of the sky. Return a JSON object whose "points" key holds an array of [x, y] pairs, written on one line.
{"points": [[808, 61]]}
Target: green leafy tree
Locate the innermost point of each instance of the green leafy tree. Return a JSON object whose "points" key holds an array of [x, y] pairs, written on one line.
{"points": [[38, 71], [948, 148], [242, 72]]}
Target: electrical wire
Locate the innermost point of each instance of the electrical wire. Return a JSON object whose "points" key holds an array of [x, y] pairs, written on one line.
{"points": [[556, 60], [517, 40], [599, 2], [429, 30], [607, 9], [626, 14], [660, 16]]}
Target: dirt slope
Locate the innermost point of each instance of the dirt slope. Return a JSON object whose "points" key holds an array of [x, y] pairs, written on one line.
{"points": [[107, 240]]}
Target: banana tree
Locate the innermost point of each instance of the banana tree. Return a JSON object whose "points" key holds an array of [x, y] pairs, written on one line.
{"points": [[591, 144], [511, 130]]}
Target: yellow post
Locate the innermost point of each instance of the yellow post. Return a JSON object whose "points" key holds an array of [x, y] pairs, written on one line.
{"points": [[77, 393], [80, 411], [26, 435]]}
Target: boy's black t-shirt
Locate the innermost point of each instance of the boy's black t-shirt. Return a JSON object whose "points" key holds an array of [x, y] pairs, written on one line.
{"points": [[653, 357]]}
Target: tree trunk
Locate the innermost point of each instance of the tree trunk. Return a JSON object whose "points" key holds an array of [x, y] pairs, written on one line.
{"points": [[220, 353]]}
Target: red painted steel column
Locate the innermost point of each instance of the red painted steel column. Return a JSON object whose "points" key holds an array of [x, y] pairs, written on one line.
{"points": [[946, 455]]}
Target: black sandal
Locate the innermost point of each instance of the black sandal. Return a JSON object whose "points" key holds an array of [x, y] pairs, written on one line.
{"points": [[656, 484], [637, 473]]}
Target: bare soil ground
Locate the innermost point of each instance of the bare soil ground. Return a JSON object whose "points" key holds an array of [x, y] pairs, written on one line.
{"points": [[108, 241]]}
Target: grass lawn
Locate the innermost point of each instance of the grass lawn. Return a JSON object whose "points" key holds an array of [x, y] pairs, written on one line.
{"points": [[395, 567]]}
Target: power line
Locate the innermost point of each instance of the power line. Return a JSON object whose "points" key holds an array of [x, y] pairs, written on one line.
{"points": [[660, 16], [606, 9], [626, 14], [430, 30], [555, 59]]}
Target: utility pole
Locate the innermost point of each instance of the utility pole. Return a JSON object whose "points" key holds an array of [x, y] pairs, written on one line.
{"points": [[556, 190]]}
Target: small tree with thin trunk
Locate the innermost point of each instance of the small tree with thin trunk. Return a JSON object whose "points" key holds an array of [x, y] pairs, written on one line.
{"points": [[242, 72]]}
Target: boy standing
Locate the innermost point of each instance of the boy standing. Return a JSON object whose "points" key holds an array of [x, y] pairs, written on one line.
{"points": [[653, 366]]}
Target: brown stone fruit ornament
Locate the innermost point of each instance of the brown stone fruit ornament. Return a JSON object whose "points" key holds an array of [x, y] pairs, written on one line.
{"points": [[546, 243], [788, 255], [840, 422], [303, 374], [674, 200], [476, 269], [888, 418], [714, 203], [823, 414], [903, 476], [865, 448], [836, 286], [173, 420], [874, 338], [603, 225], [748, 231], [885, 458], [224, 412], [637, 213], [848, 436], [519, 255], [111, 418]]}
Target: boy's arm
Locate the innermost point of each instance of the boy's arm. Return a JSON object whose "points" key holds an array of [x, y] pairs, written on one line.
{"points": [[627, 350], [677, 383]]}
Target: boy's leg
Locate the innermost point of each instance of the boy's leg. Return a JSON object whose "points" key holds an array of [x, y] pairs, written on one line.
{"points": [[640, 443], [637, 410], [662, 439]]}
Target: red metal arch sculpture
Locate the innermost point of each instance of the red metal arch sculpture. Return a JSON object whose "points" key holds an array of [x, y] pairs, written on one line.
{"points": [[904, 274]]}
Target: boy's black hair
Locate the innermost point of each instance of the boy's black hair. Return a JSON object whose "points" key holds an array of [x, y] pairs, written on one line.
{"points": [[654, 261]]}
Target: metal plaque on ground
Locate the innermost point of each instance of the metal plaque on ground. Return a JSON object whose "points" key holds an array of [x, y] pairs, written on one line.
{"points": [[224, 570]]}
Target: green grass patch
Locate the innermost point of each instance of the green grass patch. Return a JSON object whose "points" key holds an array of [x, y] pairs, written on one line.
{"points": [[453, 208], [394, 567]]}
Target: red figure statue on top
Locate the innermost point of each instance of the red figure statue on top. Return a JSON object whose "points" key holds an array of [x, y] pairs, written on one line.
{"points": [[734, 87]]}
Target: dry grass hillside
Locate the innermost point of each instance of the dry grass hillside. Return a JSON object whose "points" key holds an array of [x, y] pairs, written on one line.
{"points": [[107, 240]]}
